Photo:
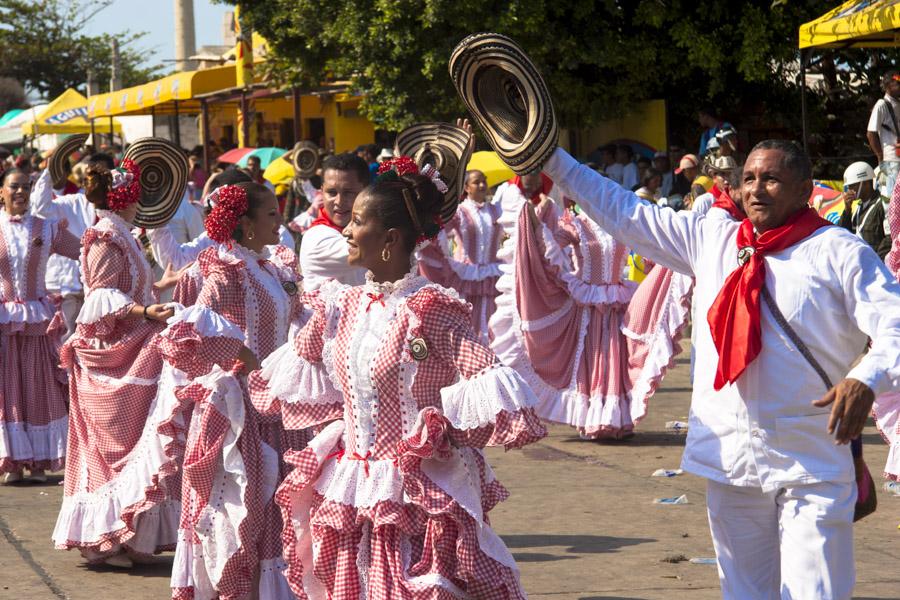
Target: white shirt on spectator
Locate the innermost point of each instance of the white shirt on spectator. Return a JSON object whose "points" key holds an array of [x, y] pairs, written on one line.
{"points": [[880, 122]]}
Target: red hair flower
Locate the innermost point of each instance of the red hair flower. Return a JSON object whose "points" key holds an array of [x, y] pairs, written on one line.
{"points": [[230, 206], [402, 165], [126, 186]]}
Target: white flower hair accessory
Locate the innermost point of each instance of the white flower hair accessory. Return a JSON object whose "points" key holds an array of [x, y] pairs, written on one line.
{"points": [[435, 176]]}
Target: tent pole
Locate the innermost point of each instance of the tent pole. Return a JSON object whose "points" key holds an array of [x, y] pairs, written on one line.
{"points": [[177, 126], [112, 137], [93, 134], [204, 118], [297, 129], [152, 121], [803, 98]]}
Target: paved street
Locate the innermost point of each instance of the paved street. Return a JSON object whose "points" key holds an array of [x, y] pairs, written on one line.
{"points": [[581, 523]]}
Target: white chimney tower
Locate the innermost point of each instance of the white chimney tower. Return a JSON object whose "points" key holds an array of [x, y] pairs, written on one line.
{"points": [[185, 44]]}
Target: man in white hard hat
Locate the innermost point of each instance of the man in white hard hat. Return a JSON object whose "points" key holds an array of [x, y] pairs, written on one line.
{"points": [[867, 221]]}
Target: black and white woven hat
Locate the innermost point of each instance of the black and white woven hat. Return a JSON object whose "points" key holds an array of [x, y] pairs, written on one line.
{"points": [[59, 160], [164, 173], [506, 94], [446, 148], [306, 159]]}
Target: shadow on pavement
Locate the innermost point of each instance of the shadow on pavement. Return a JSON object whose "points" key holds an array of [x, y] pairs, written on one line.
{"points": [[576, 544], [161, 566], [640, 438]]}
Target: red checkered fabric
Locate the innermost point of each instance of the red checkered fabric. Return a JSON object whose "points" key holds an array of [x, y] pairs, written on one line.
{"points": [[245, 296], [114, 369], [442, 535], [33, 389]]}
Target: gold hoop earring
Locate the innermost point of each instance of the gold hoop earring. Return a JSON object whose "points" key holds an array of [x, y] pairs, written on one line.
{"points": [[385, 255], [250, 235]]}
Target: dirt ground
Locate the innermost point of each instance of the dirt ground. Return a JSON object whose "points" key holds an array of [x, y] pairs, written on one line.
{"points": [[580, 522]]}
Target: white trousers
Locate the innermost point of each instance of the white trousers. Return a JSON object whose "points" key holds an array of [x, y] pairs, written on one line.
{"points": [[794, 543]]}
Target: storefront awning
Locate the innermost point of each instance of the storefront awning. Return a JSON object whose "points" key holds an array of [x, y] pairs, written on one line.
{"points": [[163, 96], [855, 24], [66, 114]]}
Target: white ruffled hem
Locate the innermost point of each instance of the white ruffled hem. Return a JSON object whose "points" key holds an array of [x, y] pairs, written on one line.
{"points": [[476, 402], [102, 302], [23, 442], [887, 418], [28, 311], [360, 483], [294, 380], [662, 348], [207, 323], [88, 517]]}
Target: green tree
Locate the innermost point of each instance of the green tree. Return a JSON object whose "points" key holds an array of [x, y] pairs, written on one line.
{"points": [[43, 47], [600, 58]]}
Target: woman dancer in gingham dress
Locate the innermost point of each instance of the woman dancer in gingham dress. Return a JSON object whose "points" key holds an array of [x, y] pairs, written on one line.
{"points": [[390, 499], [472, 269], [121, 488], [230, 531], [33, 419], [561, 323]]}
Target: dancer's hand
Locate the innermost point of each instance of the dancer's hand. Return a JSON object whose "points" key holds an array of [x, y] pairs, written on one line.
{"points": [[464, 123], [169, 277], [852, 401], [158, 312], [251, 363]]}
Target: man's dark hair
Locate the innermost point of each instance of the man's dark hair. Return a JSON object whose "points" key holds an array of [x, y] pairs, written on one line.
{"points": [[708, 109], [348, 162], [627, 149], [104, 159], [888, 77], [229, 176], [795, 158]]}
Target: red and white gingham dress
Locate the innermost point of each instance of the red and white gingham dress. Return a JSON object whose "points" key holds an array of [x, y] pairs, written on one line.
{"points": [[122, 488], [473, 269], [391, 499], [33, 392], [561, 323], [230, 528]]}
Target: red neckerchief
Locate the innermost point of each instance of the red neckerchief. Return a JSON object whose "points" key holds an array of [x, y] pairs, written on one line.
{"points": [[324, 219], [546, 186], [723, 200], [734, 316]]}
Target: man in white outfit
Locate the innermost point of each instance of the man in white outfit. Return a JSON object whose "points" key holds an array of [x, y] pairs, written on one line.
{"points": [[323, 249], [781, 486]]}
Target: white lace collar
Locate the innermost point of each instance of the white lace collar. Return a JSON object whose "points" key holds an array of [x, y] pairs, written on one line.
{"points": [[120, 223], [409, 283]]}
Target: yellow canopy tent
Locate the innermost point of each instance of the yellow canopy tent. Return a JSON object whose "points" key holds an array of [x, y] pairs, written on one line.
{"points": [[168, 95], [853, 24], [66, 115]]}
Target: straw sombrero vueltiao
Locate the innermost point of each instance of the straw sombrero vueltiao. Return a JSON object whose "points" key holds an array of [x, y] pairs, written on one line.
{"points": [[306, 159], [59, 160], [446, 148], [508, 97], [164, 173]]}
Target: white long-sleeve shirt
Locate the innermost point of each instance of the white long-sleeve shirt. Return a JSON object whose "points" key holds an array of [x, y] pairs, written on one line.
{"points": [[763, 431], [62, 273], [323, 256]]}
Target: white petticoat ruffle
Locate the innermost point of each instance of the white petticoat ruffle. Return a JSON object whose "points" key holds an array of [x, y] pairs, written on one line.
{"points": [[21, 441], [294, 380], [88, 517], [27, 311], [887, 418], [476, 402], [102, 302], [584, 293], [207, 322]]}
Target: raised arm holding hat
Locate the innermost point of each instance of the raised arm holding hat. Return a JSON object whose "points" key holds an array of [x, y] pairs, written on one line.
{"points": [[764, 421]]}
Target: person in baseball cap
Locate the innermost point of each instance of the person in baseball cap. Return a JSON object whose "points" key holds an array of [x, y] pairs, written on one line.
{"points": [[867, 221]]}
